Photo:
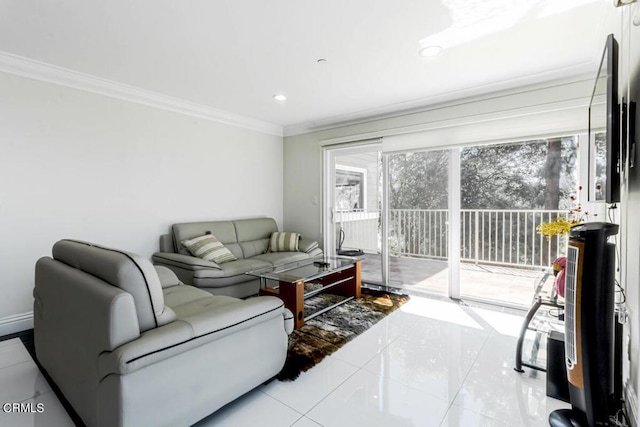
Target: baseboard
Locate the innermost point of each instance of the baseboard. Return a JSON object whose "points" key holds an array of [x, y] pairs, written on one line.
{"points": [[16, 323], [631, 404]]}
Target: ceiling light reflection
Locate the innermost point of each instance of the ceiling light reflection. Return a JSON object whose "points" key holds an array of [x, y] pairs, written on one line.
{"points": [[474, 19]]}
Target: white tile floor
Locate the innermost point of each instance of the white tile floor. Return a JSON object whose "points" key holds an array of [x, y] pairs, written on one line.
{"points": [[22, 382], [431, 363]]}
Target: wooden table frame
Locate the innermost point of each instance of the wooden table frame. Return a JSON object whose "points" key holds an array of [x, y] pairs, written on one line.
{"points": [[345, 282]]}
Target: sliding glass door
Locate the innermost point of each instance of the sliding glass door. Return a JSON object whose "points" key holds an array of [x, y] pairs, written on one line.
{"points": [[456, 221], [391, 211], [353, 211], [418, 220], [507, 190]]}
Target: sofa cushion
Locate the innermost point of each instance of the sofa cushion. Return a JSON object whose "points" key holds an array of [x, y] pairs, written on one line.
{"points": [[224, 231], [188, 262], [277, 259], [209, 248], [254, 228], [235, 268], [204, 304], [127, 271], [183, 298], [196, 327], [283, 242], [254, 247]]}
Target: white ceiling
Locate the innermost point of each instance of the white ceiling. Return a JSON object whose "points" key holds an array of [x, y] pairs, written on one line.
{"points": [[234, 55]]}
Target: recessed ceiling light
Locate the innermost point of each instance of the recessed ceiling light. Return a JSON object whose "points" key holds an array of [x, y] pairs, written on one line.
{"points": [[280, 97], [430, 50]]}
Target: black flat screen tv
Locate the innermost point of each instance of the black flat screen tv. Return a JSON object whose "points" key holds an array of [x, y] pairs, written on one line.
{"points": [[604, 129]]}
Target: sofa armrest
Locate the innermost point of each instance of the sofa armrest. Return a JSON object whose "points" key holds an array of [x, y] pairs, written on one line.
{"points": [[307, 245], [167, 277], [208, 324], [166, 243], [315, 253], [183, 261]]}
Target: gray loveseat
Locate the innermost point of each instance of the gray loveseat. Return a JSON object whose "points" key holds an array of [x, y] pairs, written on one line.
{"points": [[247, 239], [129, 345]]}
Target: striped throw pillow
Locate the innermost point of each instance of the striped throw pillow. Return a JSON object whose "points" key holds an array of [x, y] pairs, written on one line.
{"points": [[283, 242], [208, 248]]}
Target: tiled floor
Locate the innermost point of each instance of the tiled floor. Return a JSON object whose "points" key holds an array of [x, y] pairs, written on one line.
{"points": [[431, 363], [21, 382]]}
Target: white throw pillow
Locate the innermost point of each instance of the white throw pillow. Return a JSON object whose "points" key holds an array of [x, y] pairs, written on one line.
{"points": [[209, 248]]}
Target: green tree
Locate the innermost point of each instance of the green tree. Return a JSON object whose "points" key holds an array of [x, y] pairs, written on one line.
{"points": [[537, 174], [418, 180]]}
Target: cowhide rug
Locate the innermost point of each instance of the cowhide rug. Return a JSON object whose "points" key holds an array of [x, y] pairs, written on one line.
{"points": [[326, 333]]}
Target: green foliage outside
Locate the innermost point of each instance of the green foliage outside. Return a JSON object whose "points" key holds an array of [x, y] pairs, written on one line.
{"points": [[533, 175], [505, 176]]}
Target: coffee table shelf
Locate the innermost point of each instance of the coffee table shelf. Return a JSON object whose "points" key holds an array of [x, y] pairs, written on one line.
{"points": [[340, 275]]}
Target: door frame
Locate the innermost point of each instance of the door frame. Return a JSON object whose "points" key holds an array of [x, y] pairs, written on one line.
{"points": [[329, 154]]}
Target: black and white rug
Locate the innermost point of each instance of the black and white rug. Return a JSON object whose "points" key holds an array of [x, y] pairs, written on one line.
{"points": [[326, 333]]}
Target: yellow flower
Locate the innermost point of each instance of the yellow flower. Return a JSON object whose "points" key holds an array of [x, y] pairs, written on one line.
{"points": [[556, 228]]}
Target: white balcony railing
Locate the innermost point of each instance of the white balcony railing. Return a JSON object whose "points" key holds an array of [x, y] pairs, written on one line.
{"points": [[506, 237], [360, 230]]}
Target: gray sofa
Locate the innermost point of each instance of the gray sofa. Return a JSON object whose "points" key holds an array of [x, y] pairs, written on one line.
{"points": [[247, 239], [129, 345]]}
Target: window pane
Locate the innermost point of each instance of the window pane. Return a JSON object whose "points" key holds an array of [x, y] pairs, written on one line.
{"points": [[507, 190], [349, 189], [418, 220]]}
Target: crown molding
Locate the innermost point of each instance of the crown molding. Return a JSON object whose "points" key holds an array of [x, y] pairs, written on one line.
{"points": [[563, 75], [18, 65]]}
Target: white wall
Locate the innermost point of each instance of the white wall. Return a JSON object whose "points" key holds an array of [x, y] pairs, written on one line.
{"points": [[303, 186], [84, 166]]}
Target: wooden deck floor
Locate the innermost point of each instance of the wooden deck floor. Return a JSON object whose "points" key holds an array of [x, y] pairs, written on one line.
{"points": [[495, 283]]}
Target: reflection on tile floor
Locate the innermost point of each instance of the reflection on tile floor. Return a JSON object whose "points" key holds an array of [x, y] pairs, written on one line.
{"points": [[431, 363], [22, 383]]}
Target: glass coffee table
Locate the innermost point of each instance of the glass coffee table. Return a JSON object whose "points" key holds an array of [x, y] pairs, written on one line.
{"points": [[294, 283]]}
